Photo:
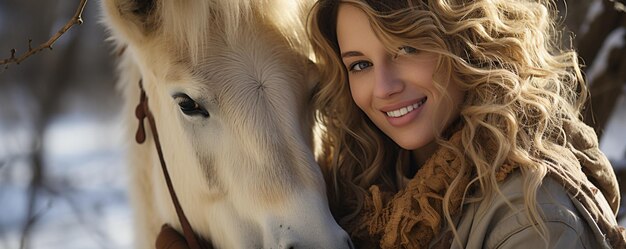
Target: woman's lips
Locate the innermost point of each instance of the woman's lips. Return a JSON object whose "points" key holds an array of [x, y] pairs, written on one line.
{"points": [[405, 114]]}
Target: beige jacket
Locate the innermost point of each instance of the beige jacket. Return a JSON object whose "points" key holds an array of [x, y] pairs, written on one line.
{"points": [[496, 225]]}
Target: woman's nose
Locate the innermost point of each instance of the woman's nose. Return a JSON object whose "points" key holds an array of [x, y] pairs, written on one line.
{"points": [[387, 81]]}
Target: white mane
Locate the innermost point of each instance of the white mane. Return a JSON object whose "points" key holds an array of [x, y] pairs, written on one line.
{"points": [[287, 16]]}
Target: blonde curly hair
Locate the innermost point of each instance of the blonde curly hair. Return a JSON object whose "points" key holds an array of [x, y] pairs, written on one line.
{"points": [[520, 87]]}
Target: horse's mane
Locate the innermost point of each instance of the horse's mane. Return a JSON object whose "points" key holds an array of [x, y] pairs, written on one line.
{"points": [[181, 20]]}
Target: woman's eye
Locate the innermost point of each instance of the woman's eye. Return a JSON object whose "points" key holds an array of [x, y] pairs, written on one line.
{"points": [[359, 65], [404, 50], [190, 107]]}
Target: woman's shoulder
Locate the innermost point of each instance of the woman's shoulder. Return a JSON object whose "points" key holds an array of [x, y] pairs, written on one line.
{"points": [[504, 221]]}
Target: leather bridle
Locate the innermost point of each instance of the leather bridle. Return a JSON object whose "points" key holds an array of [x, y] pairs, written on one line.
{"points": [[141, 112]]}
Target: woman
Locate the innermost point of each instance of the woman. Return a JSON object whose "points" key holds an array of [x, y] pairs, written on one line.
{"points": [[457, 124]]}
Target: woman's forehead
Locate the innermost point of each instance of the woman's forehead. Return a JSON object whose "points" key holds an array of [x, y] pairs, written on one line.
{"points": [[353, 28]]}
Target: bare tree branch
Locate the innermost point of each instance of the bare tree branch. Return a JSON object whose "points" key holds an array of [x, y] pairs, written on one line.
{"points": [[76, 19]]}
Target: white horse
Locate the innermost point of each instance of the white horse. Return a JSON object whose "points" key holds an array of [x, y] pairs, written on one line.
{"points": [[229, 85]]}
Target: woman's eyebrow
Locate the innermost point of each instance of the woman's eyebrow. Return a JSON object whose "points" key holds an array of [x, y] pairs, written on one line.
{"points": [[351, 54]]}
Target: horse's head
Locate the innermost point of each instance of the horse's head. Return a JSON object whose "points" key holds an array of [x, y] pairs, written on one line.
{"points": [[229, 85]]}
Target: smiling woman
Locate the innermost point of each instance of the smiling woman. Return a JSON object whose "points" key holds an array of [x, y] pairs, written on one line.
{"points": [[395, 90], [456, 124]]}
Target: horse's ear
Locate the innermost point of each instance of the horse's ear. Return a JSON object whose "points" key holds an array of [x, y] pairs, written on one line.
{"points": [[133, 18]]}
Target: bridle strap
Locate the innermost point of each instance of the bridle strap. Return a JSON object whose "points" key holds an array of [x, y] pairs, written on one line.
{"points": [[141, 112]]}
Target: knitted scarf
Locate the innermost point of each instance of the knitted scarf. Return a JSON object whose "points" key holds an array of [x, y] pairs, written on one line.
{"points": [[412, 217]]}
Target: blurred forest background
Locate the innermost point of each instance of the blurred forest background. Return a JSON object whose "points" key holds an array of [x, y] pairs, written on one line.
{"points": [[62, 176]]}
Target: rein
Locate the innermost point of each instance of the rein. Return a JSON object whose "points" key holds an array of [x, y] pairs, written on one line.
{"points": [[141, 112]]}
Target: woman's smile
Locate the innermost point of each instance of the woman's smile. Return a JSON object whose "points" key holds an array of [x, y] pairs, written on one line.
{"points": [[406, 114]]}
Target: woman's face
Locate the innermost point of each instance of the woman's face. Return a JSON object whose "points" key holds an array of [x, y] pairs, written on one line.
{"points": [[396, 91]]}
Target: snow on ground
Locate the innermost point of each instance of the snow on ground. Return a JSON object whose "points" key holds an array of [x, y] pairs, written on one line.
{"points": [[84, 204]]}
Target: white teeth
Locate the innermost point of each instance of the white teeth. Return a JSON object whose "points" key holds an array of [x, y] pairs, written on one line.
{"points": [[404, 110]]}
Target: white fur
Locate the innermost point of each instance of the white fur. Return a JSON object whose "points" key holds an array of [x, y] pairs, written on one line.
{"points": [[245, 176]]}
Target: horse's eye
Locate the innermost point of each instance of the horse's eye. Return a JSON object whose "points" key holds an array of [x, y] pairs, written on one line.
{"points": [[190, 107]]}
